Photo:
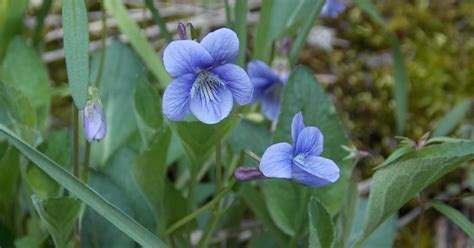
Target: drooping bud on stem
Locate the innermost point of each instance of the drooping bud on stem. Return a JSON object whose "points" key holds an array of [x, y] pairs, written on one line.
{"points": [[248, 173], [94, 123], [182, 31]]}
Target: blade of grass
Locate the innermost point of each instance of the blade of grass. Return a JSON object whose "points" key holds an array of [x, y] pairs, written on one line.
{"points": [[262, 50], [401, 79], [117, 217], [156, 16], [43, 12], [452, 118], [146, 52], [241, 29], [457, 217], [303, 34]]}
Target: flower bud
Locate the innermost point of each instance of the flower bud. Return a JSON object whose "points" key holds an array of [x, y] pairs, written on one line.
{"points": [[94, 123], [182, 31], [248, 173]]}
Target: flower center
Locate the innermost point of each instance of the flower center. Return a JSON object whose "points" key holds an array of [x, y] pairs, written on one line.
{"points": [[207, 84], [299, 159]]}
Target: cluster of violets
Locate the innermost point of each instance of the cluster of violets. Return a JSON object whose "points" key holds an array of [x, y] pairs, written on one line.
{"points": [[206, 82]]}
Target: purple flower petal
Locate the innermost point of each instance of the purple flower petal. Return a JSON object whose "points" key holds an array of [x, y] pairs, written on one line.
{"points": [[315, 171], [92, 122], [237, 81], [277, 161], [212, 111], [297, 126], [310, 142], [222, 45], [185, 56], [102, 130], [176, 97], [332, 8], [258, 69], [271, 104]]}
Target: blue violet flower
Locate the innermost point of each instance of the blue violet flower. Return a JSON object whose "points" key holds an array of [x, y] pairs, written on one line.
{"points": [[301, 161], [332, 8], [268, 87], [206, 81]]}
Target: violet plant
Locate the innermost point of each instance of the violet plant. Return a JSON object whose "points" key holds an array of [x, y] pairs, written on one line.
{"points": [[192, 149]]}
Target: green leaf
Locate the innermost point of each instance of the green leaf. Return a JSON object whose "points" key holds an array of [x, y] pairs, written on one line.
{"points": [[14, 107], [76, 49], [457, 217], [150, 174], [278, 18], [241, 29], [300, 40], [321, 226], [85, 193], [7, 238], [400, 152], [383, 236], [264, 239], [255, 201], [11, 15], [249, 135], [96, 231], [401, 79], [23, 69], [147, 103], [198, 139], [119, 169], [287, 204], [59, 216], [120, 72], [452, 118], [304, 93], [9, 178], [58, 147], [394, 185], [452, 149], [128, 26]]}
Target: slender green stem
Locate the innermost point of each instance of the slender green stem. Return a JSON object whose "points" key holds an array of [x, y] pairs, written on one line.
{"points": [[102, 45], [76, 141], [252, 155], [228, 14], [85, 168], [209, 227], [303, 33], [218, 167], [215, 211], [241, 29], [159, 21], [192, 182], [76, 148], [201, 210]]}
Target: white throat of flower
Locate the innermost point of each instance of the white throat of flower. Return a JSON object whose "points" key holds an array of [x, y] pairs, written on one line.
{"points": [[299, 159], [207, 84]]}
